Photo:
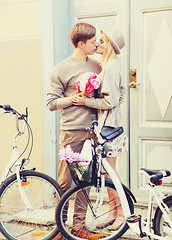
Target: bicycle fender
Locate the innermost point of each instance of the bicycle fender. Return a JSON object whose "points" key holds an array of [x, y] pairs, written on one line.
{"points": [[126, 190], [13, 175]]}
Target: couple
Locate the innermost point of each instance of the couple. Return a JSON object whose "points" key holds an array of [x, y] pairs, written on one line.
{"points": [[76, 109]]}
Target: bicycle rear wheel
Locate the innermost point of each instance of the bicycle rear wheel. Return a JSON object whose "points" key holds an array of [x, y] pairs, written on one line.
{"points": [[78, 215], [17, 222], [161, 226]]}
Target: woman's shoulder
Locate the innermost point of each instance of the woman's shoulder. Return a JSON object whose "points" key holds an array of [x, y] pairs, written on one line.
{"points": [[113, 66], [114, 62]]}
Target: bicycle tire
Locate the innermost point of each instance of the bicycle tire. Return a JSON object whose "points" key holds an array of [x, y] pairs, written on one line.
{"points": [[70, 199], [19, 223], [161, 227]]}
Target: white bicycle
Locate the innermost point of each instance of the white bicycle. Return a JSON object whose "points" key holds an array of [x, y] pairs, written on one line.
{"points": [[27, 197], [82, 210]]}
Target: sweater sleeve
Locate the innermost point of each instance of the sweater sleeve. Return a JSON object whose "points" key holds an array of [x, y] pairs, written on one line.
{"points": [[111, 88], [56, 90]]}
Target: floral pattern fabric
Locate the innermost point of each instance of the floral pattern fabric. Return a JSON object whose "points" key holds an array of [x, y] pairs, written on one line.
{"points": [[118, 145]]}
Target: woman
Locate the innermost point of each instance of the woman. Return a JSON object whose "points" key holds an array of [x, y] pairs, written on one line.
{"points": [[109, 112]]}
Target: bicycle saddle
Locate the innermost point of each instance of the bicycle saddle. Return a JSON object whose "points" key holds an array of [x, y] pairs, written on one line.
{"points": [[154, 172]]}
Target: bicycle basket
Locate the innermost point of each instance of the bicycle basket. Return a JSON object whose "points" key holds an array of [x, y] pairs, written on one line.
{"points": [[81, 169], [79, 172]]}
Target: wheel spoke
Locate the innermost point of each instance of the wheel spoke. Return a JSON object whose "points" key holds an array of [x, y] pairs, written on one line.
{"points": [[18, 222]]}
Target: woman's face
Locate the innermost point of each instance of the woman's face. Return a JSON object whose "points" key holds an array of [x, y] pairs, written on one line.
{"points": [[100, 48]]}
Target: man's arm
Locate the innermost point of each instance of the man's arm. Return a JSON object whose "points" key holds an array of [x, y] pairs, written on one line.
{"points": [[59, 103], [55, 96]]}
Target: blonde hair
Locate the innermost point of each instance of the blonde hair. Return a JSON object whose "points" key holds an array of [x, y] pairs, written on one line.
{"points": [[108, 53]]}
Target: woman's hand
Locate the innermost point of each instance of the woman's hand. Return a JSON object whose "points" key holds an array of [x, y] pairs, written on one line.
{"points": [[78, 99]]}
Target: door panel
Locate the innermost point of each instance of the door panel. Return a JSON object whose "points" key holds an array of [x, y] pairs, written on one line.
{"points": [[151, 102]]}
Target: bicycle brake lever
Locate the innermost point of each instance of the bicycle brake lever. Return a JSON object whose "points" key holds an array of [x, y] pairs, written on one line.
{"points": [[23, 116], [26, 112], [89, 130]]}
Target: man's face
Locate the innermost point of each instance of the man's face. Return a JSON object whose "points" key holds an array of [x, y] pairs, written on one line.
{"points": [[89, 48]]}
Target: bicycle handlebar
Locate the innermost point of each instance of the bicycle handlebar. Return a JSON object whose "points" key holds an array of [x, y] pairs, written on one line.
{"points": [[9, 109], [101, 141], [23, 117], [94, 120]]}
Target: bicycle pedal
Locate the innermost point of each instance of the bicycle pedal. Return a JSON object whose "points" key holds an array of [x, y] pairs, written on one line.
{"points": [[133, 219]]}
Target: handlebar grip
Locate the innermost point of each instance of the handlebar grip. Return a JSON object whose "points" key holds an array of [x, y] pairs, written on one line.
{"points": [[107, 150], [94, 120], [6, 107]]}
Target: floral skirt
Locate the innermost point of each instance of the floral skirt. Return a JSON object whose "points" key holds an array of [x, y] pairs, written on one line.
{"points": [[118, 145]]}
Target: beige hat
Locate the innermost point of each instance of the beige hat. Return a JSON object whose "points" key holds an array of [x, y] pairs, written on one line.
{"points": [[116, 38]]}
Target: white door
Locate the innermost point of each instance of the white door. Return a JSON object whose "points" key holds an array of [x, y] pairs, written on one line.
{"points": [[105, 15], [151, 102], [147, 28]]}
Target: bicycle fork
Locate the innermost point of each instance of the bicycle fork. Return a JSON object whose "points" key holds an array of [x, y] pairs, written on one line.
{"points": [[15, 157], [22, 190], [100, 197]]}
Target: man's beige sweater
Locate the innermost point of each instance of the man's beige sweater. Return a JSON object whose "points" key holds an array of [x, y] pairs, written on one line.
{"points": [[62, 84]]}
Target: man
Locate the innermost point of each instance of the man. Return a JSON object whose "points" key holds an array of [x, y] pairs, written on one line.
{"points": [[74, 119]]}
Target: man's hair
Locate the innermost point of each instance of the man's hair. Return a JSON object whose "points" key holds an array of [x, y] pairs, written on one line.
{"points": [[82, 32]]}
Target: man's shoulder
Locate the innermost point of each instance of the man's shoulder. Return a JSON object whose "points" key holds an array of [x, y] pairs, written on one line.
{"points": [[62, 68], [63, 64]]}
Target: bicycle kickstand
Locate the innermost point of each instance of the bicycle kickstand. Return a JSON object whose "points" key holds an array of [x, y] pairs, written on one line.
{"points": [[135, 219]]}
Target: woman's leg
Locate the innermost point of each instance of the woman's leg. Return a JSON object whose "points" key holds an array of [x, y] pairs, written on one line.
{"points": [[116, 204], [115, 209], [112, 161]]}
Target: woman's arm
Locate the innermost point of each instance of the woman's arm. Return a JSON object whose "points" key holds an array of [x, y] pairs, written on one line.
{"points": [[98, 103], [110, 91]]}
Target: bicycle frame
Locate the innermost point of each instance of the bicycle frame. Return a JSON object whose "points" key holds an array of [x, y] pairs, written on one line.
{"points": [[153, 194], [114, 178], [158, 196], [14, 158]]}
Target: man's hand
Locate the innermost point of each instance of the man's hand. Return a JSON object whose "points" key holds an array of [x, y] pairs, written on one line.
{"points": [[78, 99]]}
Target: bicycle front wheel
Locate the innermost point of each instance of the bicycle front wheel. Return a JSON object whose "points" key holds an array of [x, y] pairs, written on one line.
{"points": [[161, 225], [20, 222], [81, 214]]}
